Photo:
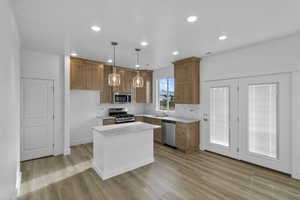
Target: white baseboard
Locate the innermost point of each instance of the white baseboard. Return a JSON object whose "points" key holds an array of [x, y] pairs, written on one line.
{"points": [[67, 151], [81, 141], [122, 170], [15, 193], [296, 176]]}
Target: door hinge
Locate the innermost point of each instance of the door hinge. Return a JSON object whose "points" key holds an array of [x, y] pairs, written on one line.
{"points": [[238, 150], [53, 116]]}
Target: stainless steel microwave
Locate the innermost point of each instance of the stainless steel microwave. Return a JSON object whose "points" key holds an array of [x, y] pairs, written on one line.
{"points": [[122, 98]]}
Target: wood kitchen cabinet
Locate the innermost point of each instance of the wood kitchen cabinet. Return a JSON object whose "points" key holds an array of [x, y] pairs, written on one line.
{"points": [[187, 136], [158, 136], [108, 121], [144, 94], [92, 75], [126, 80], [106, 96], [86, 74], [187, 81], [139, 118]]}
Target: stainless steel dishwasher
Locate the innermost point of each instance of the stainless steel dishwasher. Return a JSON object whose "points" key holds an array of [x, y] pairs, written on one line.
{"points": [[169, 132]]}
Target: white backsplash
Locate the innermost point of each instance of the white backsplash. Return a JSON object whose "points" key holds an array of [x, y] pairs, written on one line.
{"points": [[190, 111], [84, 107], [135, 108]]}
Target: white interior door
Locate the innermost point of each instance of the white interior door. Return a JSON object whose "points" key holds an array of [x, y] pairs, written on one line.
{"points": [[219, 117], [37, 118], [264, 107]]}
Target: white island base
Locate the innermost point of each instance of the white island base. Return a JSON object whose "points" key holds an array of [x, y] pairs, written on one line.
{"points": [[120, 148]]}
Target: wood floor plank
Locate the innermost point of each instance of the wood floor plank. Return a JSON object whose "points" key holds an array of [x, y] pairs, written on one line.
{"points": [[173, 176]]}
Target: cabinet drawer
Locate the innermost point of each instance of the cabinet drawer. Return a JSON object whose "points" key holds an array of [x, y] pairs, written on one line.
{"points": [[108, 121], [152, 121], [139, 118]]}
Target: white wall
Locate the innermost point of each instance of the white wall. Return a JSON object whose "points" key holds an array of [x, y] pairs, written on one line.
{"points": [[48, 66], [181, 110], [276, 56], [84, 107], [269, 57], [9, 102], [281, 55]]}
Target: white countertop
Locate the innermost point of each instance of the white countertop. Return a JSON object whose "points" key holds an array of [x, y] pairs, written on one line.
{"points": [[117, 129], [170, 118], [104, 117]]}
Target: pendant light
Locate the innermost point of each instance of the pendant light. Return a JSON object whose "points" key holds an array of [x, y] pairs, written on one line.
{"points": [[138, 80], [114, 79]]}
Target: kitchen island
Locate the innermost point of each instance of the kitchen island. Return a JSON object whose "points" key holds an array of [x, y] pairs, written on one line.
{"points": [[120, 148]]}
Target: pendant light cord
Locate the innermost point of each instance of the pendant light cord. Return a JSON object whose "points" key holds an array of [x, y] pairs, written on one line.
{"points": [[137, 59], [114, 59]]}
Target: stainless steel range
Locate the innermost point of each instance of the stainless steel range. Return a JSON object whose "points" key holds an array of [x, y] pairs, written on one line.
{"points": [[121, 115]]}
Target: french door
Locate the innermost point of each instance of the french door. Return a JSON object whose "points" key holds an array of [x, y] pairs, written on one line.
{"points": [[249, 119], [220, 111]]}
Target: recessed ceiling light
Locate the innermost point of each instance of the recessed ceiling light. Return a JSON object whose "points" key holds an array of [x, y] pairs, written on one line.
{"points": [[144, 43], [222, 37], [95, 28], [175, 53], [192, 19], [74, 54]]}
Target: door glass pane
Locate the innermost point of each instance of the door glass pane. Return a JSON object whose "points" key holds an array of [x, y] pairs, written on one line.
{"points": [[219, 111], [262, 124]]}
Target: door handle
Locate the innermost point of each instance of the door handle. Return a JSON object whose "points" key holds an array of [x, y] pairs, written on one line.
{"points": [[205, 117]]}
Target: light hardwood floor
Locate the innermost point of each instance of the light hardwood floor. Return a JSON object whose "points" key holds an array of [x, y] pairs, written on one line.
{"points": [[173, 176]]}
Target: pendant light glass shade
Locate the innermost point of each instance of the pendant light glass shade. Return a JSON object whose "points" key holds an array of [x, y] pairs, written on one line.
{"points": [[114, 79], [138, 80]]}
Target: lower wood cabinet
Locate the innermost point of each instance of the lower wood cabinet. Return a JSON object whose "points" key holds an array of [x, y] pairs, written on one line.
{"points": [[139, 118], [108, 121], [158, 136], [187, 136]]}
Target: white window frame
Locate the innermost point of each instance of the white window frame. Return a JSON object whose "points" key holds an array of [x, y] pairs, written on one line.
{"points": [[158, 96]]}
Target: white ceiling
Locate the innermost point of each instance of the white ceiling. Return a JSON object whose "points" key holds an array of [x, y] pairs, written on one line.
{"points": [[62, 26]]}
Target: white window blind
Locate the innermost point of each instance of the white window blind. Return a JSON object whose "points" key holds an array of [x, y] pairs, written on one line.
{"points": [[219, 120], [262, 119]]}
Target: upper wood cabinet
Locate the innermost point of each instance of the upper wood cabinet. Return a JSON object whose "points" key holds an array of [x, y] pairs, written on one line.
{"points": [[144, 94], [126, 80], [92, 75], [86, 74], [187, 81], [106, 94]]}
